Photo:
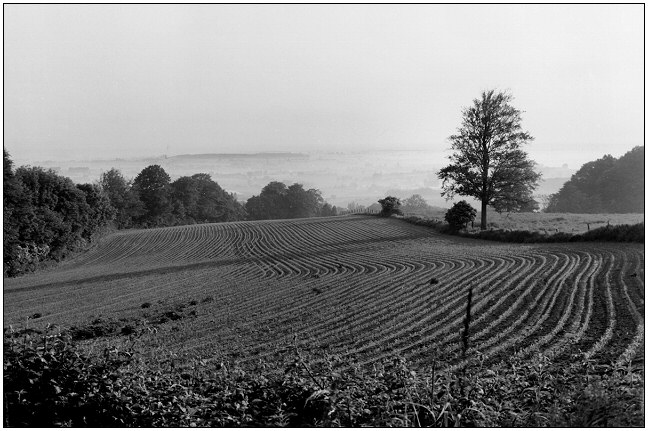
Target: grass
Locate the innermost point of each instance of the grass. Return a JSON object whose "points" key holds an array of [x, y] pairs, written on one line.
{"points": [[615, 233], [546, 223]]}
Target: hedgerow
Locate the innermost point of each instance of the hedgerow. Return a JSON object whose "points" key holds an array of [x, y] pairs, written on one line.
{"points": [[618, 233], [50, 380]]}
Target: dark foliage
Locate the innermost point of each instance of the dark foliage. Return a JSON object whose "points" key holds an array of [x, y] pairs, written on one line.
{"points": [[390, 206], [606, 185], [50, 381], [152, 186], [199, 199], [460, 214], [46, 217], [122, 197], [277, 201], [618, 233]]}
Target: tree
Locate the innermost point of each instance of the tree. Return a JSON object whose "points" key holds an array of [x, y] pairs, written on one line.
{"points": [[415, 204], [152, 187], [460, 214], [624, 190], [303, 203], [270, 204], [101, 211], [390, 205], [276, 201], [515, 199], [327, 210], [46, 216], [606, 185], [488, 163], [354, 206], [126, 202], [200, 199]]}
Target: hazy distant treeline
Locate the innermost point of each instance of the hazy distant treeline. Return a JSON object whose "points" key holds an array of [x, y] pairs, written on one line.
{"points": [[46, 216], [152, 200], [606, 185]]}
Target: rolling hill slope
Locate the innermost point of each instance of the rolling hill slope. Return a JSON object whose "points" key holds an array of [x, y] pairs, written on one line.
{"points": [[354, 286]]}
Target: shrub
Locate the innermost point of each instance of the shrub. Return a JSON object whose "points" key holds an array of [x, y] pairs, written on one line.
{"points": [[50, 381], [390, 205], [621, 233], [460, 215]]}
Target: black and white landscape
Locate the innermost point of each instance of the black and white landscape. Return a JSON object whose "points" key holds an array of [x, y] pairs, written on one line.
{"points": [[324, 215]]}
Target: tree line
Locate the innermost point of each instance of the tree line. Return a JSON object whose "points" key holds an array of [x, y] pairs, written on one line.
{"points": [[606, 185], [47, 217]]}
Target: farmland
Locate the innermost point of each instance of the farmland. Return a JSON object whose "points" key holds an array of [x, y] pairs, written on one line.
{"points": [[354, 286]]}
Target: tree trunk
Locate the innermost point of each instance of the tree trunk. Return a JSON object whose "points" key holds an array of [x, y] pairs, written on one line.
{"points": [[483, 214]]}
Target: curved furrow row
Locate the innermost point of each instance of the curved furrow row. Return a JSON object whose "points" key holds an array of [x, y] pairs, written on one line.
{"points": [[499, 310], [636, 303], [452, 317], [355, 286], [350, 293], [202, 242], [610, 312], [214, 242], [115, 293], [353, 293], [527, 315], [534, 306], [545, 326], [442, 307], [573, 313], [628, 318]]}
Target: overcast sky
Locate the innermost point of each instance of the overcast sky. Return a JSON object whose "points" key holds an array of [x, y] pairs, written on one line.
{"points": [[83, 81]]}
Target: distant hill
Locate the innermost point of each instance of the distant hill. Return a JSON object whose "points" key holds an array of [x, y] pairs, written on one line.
{"points": [[606, 185], [266, 155]]}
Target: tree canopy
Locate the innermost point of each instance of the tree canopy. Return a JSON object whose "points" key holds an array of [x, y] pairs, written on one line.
{"points": [[415, 204], [488, 162], [199, 199], [606, 185], [277, 201], [152, 187], [45, 216], [126, 202]]}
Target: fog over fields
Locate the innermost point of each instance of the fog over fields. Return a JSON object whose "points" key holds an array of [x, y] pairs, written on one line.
{"points": [[362, 177]]}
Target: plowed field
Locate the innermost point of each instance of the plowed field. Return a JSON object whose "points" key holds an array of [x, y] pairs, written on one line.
{"points": [[353, 285]]}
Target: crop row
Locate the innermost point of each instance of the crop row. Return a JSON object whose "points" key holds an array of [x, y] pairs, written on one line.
{"points": [[354, 286]]}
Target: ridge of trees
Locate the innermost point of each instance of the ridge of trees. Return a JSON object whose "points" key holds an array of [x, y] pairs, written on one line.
{"points": [[606, 185], [47, 217], [278, 201]]}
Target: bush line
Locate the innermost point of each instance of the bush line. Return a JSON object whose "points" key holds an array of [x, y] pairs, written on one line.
{"points": [[49, 380], [618, 233]]}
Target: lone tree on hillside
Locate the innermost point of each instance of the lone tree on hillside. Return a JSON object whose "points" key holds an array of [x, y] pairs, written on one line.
{"points": [[390, 205], [488, 163]]}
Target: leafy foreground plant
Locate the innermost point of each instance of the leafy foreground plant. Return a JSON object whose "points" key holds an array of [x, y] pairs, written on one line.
{"points": [[50, 381]]}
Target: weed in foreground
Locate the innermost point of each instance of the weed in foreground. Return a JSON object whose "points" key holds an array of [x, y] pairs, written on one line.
{"points": [[50, 380]]}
